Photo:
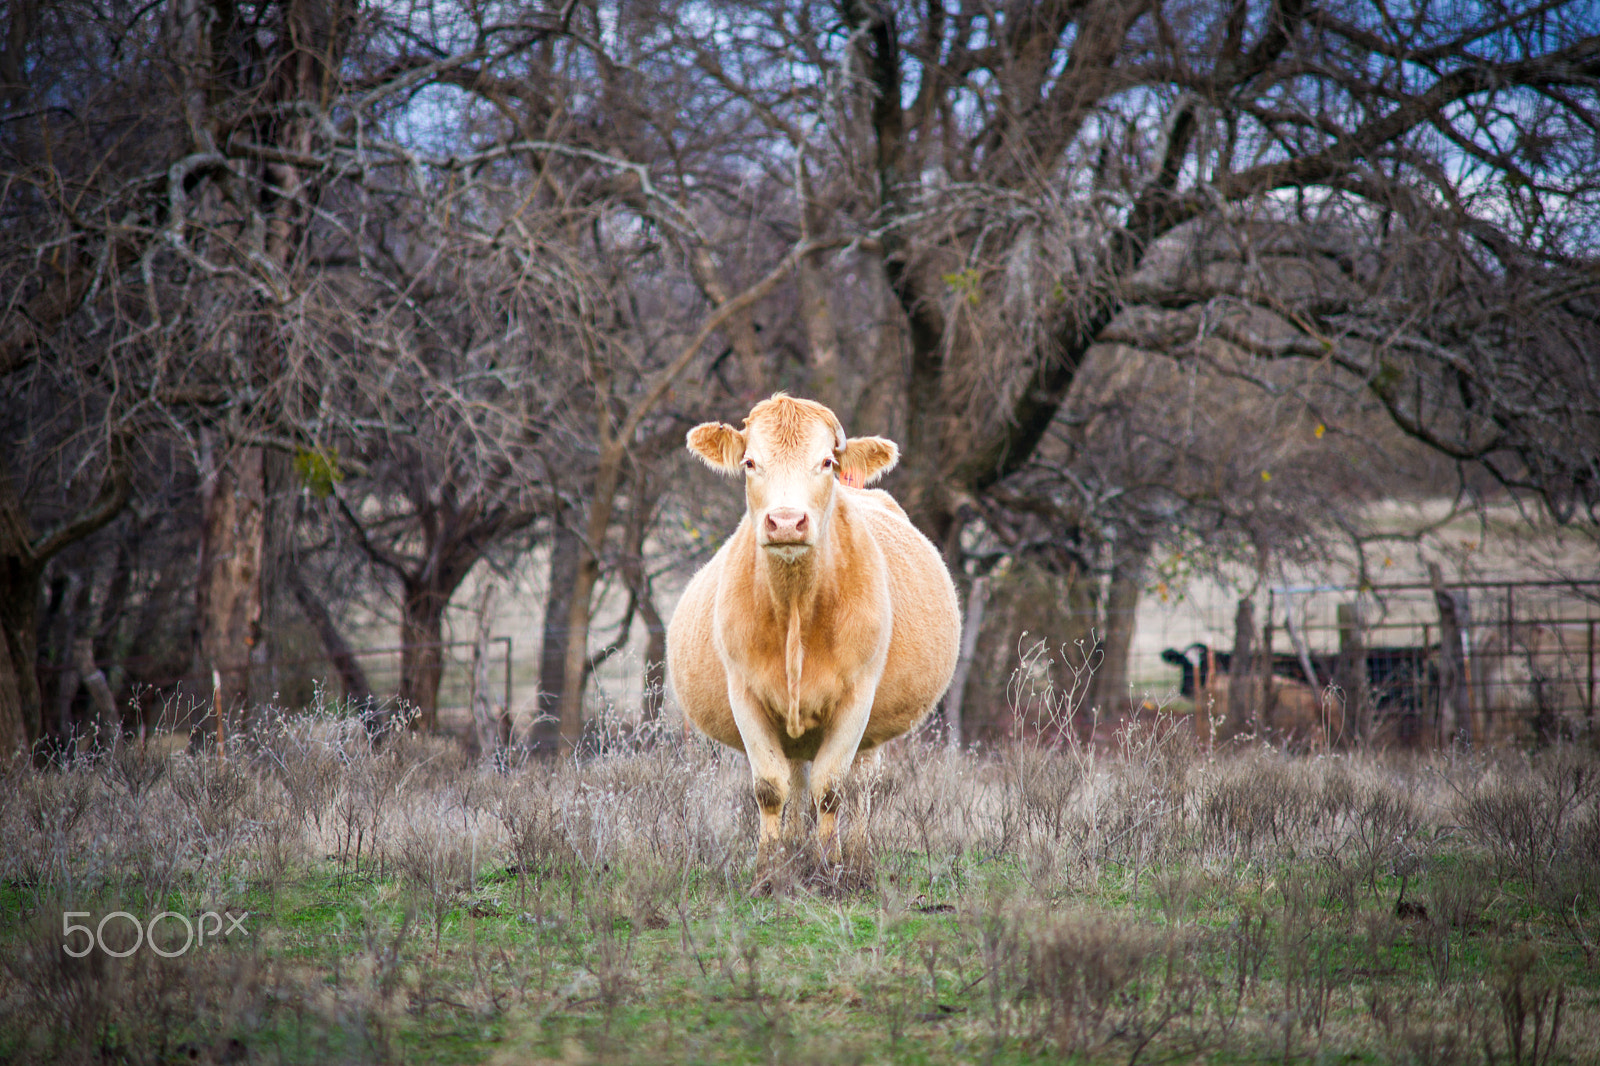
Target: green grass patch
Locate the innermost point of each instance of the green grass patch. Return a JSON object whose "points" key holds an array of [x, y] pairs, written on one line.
{"points": [[603, 913]]}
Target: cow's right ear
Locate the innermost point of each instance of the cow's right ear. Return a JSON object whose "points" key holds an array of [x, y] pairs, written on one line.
{"points": [[718, 445]]}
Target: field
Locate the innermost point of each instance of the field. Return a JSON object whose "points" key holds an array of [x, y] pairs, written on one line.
{"points": [[1148, 904]]}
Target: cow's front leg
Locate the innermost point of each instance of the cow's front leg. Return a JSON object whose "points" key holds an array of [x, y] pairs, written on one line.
{"points": [[831, 767], [770, 774]]}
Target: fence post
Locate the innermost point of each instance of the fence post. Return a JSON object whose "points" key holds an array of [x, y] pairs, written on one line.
{"points": [[216, 707], [1453, 615], [1241, 674], [1351, 674], [1588, 708], [1263, 708], [489, 730], [506, 724]]}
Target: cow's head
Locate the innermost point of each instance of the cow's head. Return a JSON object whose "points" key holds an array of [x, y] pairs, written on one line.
{"points": [[792, 454]]}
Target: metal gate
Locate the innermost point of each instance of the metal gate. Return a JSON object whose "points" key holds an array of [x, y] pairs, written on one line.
{"points": [[1485, 661]]}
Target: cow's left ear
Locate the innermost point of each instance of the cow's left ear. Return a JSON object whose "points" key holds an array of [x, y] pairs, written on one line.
{"points": [[866, 459], [718, 445]]}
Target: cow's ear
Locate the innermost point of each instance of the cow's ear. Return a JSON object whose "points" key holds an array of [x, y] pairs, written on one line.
{"points": [[866, 459], [718, 445]]}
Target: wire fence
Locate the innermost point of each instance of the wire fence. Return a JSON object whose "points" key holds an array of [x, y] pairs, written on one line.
{"points": [[1408, 663], [1485, 661], [157, 694]]}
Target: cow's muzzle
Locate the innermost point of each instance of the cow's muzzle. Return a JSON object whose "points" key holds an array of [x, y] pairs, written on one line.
{"points": [[786, 527]]}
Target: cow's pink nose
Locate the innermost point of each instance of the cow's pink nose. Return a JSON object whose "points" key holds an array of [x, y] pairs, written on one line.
{"points": [[786, 525]]}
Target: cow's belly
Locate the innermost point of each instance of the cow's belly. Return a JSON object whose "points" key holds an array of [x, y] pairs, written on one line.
{"points": [[805, 746], [694, 670], [700, 684], [714, 718], [895, 707], [926, 638]]}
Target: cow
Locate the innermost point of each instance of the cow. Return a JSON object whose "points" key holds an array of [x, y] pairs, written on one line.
{"points": [[825, 626], [1293, 711]]}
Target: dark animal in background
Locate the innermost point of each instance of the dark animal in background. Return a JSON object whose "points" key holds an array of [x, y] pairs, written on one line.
{"points": [[1293, 713]]}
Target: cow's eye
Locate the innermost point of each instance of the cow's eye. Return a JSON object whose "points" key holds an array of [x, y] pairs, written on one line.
{"points": [[749, 464], [828, 464]]}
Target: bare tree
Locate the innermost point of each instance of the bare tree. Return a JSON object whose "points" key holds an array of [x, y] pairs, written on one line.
{"points": [[659, 189], [23, 556], [1021, 165], [267, 269], [1237, 185], [454, 268], [158, 166]]}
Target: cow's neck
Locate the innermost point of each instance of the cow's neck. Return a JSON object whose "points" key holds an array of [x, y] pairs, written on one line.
{"points": [[792, 588]]}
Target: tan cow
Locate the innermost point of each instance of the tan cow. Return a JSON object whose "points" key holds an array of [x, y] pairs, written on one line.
{"points": [[825, 626]]}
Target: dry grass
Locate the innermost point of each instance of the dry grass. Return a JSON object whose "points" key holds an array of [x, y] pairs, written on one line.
{"points": [[1146, 903]]}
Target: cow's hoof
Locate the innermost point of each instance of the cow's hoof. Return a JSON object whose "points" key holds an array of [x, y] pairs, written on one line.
{"points": [[838, 876], [775, 882], [776, 873], [830, 880]]}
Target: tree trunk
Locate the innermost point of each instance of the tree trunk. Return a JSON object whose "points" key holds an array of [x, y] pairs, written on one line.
{"points": [[19, 607], [22, 559], [65, 604], [352, 678], [822, 337], [111, 629], [228, 591], [544, 736], [816, 311], [972, 625], [104, 724], [581, 610], [579, 613], [1121, 611], [655, 659], [19, 685], [1263, 693], [1302, 653], [422, 651], [652, 691], [876, 407], [80, 603]]}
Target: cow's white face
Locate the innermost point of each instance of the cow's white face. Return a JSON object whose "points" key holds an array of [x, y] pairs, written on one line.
{"points": [[791, 453], [789, 482]]}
